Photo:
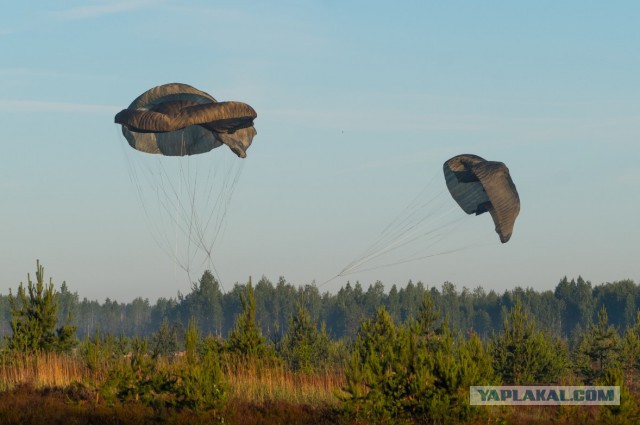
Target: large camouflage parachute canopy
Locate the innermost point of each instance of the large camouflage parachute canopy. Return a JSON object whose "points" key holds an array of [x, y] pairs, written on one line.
{"points": [[479, 186], [177, 119]]}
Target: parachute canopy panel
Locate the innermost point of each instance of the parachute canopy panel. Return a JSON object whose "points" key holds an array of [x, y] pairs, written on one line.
{"points": [[177, 119], [479, 186]]}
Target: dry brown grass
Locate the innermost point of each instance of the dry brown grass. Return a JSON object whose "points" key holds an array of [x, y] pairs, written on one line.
{"points": [[248, 382], [277, 383], [42, 370], [257, 394]]}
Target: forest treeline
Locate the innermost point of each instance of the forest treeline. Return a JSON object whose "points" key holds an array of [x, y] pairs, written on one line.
{"points": [[564, 312]]}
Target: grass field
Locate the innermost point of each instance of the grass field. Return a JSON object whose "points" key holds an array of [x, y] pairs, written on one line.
{"points": [[53, 388], [61, 389]]}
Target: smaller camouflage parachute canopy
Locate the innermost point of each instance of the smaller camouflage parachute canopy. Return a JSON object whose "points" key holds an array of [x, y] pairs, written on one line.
{"points": [[479, 186], [177, 119]]}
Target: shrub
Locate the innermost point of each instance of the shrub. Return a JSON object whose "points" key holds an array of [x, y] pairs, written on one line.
{"points": [[415, 371], [524, 355]]}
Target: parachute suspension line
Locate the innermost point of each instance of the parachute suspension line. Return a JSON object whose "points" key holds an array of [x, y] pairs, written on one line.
{"points": [[219, 185], [201, 224], [139, 173], [400, 237], [182, 211], [436, 236], [440, 233], [328, 280], [197, 231], [223, 201], [220, 205], [188, 199], [178, 202], [184, 214], [412, 220], [403, 222], [402, 240], [409, 209], [168, 194], [192, 190], [420, 212], [142, 172], [194, 220], [230, 186], [437, 254], [135, 180]]}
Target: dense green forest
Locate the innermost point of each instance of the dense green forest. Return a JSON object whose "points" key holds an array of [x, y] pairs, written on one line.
{"points": [[564, 312]]}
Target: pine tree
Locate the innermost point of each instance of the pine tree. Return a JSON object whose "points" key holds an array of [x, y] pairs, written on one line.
{"points": [[631, 351], [246, 339], [191, 338], [201, 381], [374, 379], [34, 315], [428, 317], [164, 342], [303, 346], [524, 355], [204, 303], [599, 349]]}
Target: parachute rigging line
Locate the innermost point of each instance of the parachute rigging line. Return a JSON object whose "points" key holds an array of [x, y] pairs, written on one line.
{"points": [[192, 202], [421, 219]]}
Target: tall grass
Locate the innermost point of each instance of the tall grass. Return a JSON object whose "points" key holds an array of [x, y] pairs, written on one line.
{"points": [[259, 385], [249, 382], [42, 370]]}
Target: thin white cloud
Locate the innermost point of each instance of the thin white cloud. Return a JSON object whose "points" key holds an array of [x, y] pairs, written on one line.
{"points": [[97, 10], [44, 106]]}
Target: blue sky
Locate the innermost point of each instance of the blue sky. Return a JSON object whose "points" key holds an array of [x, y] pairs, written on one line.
{"points": [[359, 104]]}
